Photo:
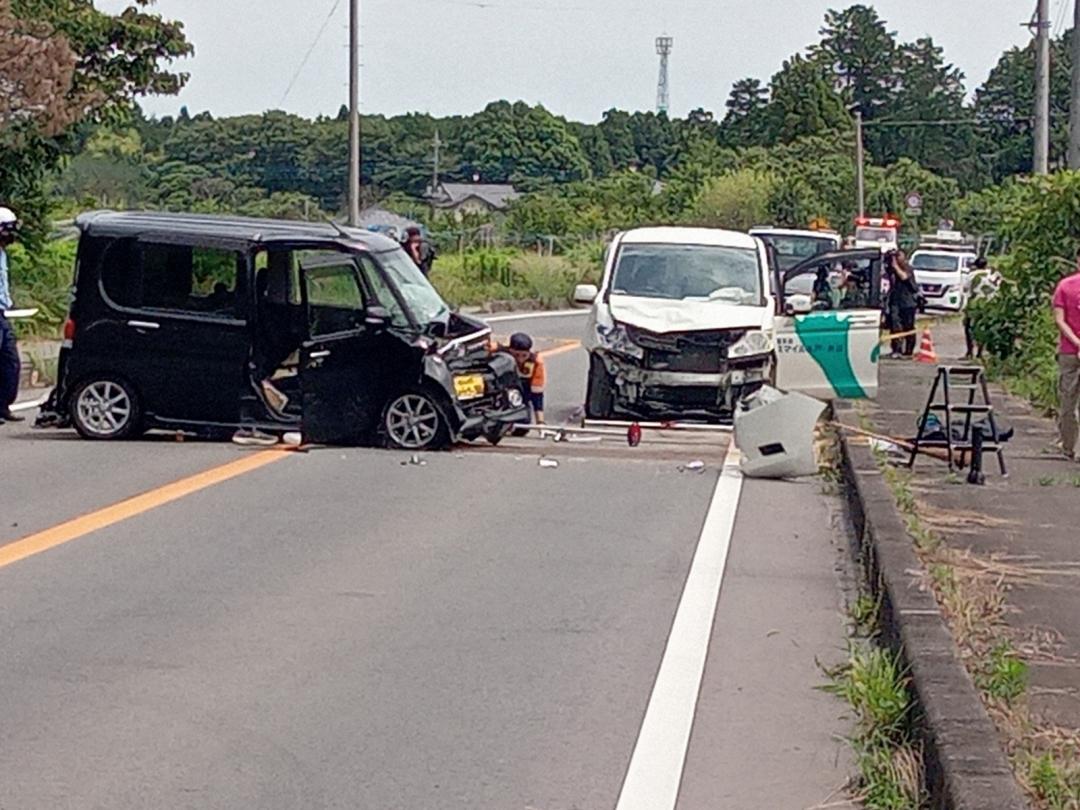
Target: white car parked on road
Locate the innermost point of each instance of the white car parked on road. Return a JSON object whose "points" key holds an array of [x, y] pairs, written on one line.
{"points": [[943, 277]]}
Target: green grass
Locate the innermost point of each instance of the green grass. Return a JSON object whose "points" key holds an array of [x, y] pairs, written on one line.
{"points": [[864, 613], [1004, 675], [42, 279], [1055, 783], [478, 277], [874, 685]]}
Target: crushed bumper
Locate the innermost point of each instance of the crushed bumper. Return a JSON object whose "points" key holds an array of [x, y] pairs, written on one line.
{"points": [[656, 392]]}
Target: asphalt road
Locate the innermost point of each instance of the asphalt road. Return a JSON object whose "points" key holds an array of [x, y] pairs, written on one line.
{"points": [[344, 629]]}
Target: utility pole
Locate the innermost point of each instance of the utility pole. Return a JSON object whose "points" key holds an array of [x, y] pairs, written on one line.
{"points": [[437, 144], [1074, 97], [1042, 88], [354, 113], [860, 164]]}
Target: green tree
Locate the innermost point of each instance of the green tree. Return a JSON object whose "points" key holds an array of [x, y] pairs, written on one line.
{"points": [[737, 200], [1005, 106], [118, 58], [803, 104], [615, 127], [746, 123]]}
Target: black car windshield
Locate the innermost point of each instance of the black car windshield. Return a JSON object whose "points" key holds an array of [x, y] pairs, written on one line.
{"points": [[940, 264], [791, 249], [424, 302], [689, 272]]}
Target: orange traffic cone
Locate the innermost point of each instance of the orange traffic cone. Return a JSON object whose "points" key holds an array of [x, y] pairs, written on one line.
{"points": [[926, 353]]}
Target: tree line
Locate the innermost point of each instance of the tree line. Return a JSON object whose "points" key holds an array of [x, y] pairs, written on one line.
{"points": [[86, 142]]}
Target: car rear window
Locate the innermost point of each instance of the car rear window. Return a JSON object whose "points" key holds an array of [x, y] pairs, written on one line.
{"points": [[174, 278]]}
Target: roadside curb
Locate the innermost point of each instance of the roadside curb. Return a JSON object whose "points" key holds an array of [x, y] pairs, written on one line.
{"points": [[966, 767]]}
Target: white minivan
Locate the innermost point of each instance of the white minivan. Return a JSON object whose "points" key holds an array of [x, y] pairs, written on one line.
{"points": [[943, 277], [685, 323]]}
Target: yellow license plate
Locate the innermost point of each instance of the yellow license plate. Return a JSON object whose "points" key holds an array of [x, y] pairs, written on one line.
{"points": [[469, 386]]}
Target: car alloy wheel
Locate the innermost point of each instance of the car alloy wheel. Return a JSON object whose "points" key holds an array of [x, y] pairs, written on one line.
{"points": [[105, 409], [413, 422]]}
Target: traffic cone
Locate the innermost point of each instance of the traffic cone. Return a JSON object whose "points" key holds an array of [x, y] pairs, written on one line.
{"points": [[926, 353]]}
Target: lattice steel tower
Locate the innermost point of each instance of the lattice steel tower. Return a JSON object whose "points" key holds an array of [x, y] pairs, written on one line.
{"points": [[663, 89]]}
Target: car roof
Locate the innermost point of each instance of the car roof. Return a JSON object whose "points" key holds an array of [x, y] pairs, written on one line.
{"points": [[769, 230], [689, 236], [957, 253], [226, 230]]}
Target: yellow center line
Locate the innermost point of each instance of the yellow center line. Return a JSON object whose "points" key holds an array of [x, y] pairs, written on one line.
{"points": [[566, 346], [111, 515]]}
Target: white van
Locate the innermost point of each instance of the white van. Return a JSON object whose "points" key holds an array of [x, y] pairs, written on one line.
{"points": [[685, 324], [943, 277]]}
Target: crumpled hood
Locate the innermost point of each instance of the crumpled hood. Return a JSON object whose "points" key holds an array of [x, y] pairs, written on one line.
{"points": [[662, 316]]}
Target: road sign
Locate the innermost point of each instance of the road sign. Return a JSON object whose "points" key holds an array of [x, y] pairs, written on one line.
{"points": [[914, 202]]}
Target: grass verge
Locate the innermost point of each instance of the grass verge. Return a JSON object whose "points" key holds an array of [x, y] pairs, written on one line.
{"points": [[972, 592]]}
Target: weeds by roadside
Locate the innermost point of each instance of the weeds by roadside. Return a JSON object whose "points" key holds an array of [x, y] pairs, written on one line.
{"points": [[873, 683], [972, 592]]}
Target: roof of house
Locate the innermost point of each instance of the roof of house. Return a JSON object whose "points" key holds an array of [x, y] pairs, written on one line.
{"points": [[226, 230], [497, 195]]}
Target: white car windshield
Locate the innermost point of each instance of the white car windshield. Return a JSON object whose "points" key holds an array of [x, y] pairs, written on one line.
{"points": [[939, 264], [689, 272], [423, 301]]}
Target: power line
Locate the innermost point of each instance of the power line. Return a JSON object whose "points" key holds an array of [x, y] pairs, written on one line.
{"points": [[311, 50]]}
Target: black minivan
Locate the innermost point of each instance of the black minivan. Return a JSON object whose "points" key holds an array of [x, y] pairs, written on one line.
{"points": [[176, 319]]}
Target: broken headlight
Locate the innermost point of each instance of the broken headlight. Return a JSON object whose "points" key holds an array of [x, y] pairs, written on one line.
{"points": [[616, 339], [753, 344]]}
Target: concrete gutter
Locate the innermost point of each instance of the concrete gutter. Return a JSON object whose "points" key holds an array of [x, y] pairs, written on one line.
{"points": [[966, 767]]}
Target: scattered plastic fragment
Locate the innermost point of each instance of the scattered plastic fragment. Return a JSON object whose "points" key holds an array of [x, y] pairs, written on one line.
{"points": [[548, 463], [414, 461], [293, 439], [696, 466]]}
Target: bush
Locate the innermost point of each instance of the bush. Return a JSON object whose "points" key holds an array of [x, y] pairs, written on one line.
{"points": [[736, 200], [42, 278], [478, 277]]}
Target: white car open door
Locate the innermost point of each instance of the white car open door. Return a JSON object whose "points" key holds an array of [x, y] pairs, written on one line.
{"points": [[828, 345]]}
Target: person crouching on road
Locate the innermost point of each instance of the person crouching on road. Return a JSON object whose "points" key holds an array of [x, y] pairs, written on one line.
{"points": [[531, 372], [1067, 316], [9, 349]]}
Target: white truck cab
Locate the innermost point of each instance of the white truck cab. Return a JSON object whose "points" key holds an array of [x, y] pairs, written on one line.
{"points": [[877, 232]]}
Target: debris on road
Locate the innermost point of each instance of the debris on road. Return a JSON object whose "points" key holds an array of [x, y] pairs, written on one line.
{"points": [[696, 466], [775, 432], [414, 461], [548, 463]]}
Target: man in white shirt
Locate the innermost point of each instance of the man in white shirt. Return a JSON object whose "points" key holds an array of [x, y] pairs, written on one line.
{"points": [[9, 349]]}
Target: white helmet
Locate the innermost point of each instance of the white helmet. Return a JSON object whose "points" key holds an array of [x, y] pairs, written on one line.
{"points": [[8, 220]]}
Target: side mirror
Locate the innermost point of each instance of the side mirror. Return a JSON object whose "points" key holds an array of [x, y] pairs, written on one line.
{"points": [[585, 293], [798, 304], [377, 317]]}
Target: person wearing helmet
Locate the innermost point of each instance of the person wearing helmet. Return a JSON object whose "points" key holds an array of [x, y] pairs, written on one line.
{"points": [[532, 376], [9, 349]]}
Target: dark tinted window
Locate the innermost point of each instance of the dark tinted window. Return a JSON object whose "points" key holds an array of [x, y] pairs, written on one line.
{"points": [[174, 278]]}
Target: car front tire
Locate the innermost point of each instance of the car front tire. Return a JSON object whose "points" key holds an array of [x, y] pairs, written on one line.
{"points": [[106, 409], [414, 420], [600, 398]]}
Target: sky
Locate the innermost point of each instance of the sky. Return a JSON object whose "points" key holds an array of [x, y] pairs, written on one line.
{"points": [[576, 57]]}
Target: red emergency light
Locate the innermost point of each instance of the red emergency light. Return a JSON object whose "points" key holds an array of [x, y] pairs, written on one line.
{"points": [[887, 221]]}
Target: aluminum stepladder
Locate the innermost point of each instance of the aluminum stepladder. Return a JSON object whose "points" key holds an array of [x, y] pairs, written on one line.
{"points": [[969, 380]]}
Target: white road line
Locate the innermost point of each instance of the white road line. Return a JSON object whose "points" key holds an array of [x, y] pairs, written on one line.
{"points": [[28, 406], [525, 316], [656, 766]]}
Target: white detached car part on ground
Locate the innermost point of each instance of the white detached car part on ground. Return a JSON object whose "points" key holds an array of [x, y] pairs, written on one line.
{"points": [[686, 324]]}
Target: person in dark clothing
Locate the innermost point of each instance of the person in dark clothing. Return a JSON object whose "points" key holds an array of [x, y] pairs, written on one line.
{"points": [[823, 293], [9, 348], [419, 249], [903, 304]]}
